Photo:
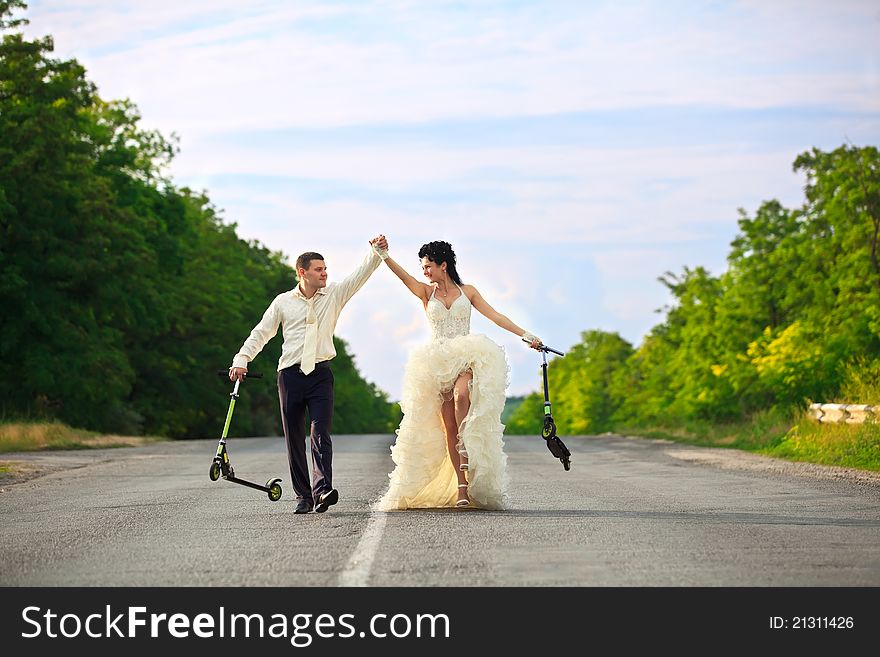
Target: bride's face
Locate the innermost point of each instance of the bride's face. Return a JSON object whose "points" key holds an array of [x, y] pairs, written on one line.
{"points": [[432, 271]]}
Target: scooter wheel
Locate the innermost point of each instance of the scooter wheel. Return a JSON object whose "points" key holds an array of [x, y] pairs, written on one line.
{"points": [[215, 471], [274, 489]]}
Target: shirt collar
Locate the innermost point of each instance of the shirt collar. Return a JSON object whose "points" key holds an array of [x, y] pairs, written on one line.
{"points": [[298, 293]]}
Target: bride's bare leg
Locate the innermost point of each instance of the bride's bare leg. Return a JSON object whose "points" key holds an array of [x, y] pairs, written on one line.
{"points": [[450, 426], [461, 394]]}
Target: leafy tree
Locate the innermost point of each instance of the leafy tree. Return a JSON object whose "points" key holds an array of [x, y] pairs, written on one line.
{"points": [[57, 227]]}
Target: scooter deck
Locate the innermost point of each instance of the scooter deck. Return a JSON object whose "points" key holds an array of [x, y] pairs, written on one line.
{"points": [[245, 482]]}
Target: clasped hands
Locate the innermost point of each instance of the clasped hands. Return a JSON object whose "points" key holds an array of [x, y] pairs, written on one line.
{"points": [[380, 245]]}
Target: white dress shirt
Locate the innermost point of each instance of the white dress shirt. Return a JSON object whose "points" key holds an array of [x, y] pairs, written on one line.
{"points": [[289, 310]]}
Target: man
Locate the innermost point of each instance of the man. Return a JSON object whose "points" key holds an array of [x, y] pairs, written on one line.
{"points": [[307, 316]]}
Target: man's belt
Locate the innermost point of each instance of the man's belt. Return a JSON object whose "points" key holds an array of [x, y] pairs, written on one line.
{"points": [[324, 364]]}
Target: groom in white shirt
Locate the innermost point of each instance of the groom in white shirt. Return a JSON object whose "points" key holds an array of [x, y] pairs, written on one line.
{"points": [[307, 316]]}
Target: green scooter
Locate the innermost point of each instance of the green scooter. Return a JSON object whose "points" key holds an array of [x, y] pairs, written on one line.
{"points": [[221, 466]]}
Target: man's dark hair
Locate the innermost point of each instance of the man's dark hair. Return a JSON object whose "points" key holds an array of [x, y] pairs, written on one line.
{"points": [[441, 252], [305, 260]]}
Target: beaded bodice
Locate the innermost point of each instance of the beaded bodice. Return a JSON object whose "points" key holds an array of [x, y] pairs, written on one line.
{"points": [[452, 322]]}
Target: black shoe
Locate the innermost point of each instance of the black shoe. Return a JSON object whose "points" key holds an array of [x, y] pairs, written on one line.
{"points": [[303, 506], [327, 500]]}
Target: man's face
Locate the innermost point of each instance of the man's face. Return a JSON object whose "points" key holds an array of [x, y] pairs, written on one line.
{"points": [[315, 276]]}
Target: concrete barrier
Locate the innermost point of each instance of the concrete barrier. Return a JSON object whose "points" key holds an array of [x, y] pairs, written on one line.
{"points": [[844, 413]]}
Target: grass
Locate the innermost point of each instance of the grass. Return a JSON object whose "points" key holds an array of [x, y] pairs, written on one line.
{"points": [[774, 433], [34, 436], [845, 445], [37, 436], [761, 430]]}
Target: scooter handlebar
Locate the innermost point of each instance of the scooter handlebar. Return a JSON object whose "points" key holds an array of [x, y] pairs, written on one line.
{"points": [[544, 347], [249, 375]]}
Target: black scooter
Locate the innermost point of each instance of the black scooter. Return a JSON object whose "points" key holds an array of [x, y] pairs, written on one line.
{"points": [[221, 466], [548, 433]]}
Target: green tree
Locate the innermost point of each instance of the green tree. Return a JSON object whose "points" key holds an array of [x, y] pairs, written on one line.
{"points": [[57, 232]]}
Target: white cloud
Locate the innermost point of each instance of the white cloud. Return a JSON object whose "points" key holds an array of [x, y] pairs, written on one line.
{"points": [[198, 67]]}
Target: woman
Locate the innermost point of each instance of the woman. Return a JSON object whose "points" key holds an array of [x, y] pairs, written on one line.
{"points": [[449, 448]]}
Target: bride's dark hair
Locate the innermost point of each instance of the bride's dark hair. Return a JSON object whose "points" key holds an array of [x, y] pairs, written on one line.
{"points": [[441, 252]]}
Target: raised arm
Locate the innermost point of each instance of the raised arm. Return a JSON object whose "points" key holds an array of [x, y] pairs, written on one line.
{"points": [[355, 281], [478, 302], [421, 290]]}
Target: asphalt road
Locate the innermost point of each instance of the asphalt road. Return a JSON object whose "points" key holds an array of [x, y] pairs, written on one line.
{"points": [[630, 512]]}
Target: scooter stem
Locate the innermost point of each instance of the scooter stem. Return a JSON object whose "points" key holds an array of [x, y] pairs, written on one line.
{"points": [[234, 396]]}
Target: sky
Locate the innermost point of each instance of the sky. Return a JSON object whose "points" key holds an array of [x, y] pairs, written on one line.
{"points": [[571, 152]]}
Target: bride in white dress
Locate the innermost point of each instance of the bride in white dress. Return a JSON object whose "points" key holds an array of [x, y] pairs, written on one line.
{"points": [[449, 447]]}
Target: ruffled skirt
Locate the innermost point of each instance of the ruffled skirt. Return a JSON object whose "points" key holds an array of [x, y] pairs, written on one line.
{"points": [[423, 476]]}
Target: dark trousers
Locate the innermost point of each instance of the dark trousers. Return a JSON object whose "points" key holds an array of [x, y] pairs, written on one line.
{"points": [[298, 392]]}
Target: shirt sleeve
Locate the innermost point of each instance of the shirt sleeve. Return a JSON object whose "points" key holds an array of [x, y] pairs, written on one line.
{"points": [[355, 281], [260, 335]]}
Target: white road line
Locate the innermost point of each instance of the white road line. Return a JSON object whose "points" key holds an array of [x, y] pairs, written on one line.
{"points": [[357, 570]]}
